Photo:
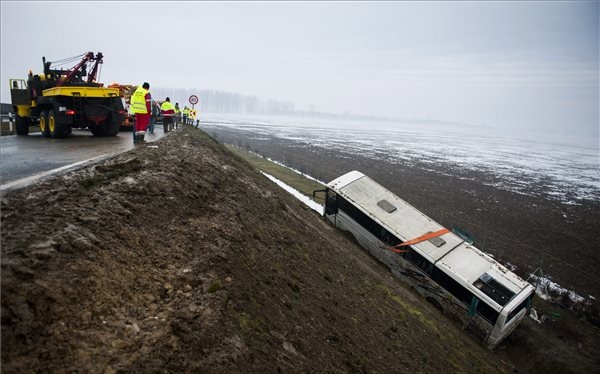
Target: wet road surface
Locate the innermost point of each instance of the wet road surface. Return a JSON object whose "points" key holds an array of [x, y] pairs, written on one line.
{"points": [[28, 156]]}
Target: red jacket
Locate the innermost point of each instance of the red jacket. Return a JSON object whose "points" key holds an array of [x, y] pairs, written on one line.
{"points": [[167, 109], [148, 98]]}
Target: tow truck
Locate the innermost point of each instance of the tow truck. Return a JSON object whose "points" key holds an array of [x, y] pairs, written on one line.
{"points": [[59, 100]]}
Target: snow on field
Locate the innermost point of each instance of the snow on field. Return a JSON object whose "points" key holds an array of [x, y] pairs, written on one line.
{"points": [[567, 172], [545, 287]]}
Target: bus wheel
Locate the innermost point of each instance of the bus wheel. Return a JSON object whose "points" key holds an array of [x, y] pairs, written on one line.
{"points": [[56, 128], [44, 128], [22, 125]]}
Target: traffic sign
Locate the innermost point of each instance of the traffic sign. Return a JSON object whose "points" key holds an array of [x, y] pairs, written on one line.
{"points": [[193, 99]]}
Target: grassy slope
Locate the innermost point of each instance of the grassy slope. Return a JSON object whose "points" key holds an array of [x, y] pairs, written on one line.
{"points": [[286, 175]]}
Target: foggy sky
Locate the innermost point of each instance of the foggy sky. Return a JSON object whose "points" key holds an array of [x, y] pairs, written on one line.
{"points": [[511, 65]]}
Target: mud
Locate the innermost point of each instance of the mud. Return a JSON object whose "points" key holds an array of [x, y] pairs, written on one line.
{"points": [[526, 230], [184, 259]]}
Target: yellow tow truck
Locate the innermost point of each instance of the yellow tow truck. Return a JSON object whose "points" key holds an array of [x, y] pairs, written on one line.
{"points": [[59, 100]]}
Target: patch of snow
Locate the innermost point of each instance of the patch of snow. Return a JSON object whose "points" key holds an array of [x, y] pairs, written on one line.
{"points": [[297, 194], [534, 315], [549, 290]]}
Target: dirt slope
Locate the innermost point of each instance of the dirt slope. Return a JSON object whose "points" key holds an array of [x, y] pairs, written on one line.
{"points": [[182, 258], [525, 229]]}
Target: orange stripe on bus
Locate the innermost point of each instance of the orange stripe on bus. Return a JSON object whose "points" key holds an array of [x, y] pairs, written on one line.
{"points": [[420, 239]]}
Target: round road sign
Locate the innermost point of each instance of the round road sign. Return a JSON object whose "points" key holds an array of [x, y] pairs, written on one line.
{"points": [[193, 99]]}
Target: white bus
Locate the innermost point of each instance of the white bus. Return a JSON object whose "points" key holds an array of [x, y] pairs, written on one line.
{"points": [[457, 278]]}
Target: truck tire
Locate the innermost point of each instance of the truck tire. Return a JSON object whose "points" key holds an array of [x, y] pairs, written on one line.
{"points": [[44, 128], [113, 123], [98, 130], [56, 128], [22, 125], [106, 128]]}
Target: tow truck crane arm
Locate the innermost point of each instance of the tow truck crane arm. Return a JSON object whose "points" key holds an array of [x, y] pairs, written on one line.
{"points": [[94, 72], [77, 71]]}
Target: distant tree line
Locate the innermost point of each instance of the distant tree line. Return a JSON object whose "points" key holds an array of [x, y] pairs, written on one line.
{"points": [[215, 101]]}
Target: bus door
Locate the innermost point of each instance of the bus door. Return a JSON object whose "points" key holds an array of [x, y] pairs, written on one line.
{"points": [[331, 205]]}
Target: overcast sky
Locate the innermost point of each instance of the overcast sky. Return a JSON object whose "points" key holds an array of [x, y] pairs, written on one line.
{"points": [[506, 64]]}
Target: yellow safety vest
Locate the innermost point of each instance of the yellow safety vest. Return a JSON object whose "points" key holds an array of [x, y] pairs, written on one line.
{"points": [[186, 112], [166, 106], [138, 101]]}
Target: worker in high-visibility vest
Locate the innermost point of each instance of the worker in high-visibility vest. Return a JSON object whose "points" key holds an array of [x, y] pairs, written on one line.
{"points": [[186, 114], [168, 111], [177, 118], [140, 106]]}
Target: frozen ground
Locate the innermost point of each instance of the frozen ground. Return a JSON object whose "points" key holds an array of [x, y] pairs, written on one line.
{"points": [[183, 259], [531, 201], [561, 169], [545, 287]]}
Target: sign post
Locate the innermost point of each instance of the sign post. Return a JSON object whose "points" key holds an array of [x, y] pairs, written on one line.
{"points": [[193, 100]]}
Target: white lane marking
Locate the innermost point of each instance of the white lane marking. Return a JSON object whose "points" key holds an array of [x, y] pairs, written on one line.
{"points": [[33, 178]]}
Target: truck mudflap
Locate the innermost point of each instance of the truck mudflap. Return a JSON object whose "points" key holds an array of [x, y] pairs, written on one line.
{"points": [[96, 119], [97, 113]]}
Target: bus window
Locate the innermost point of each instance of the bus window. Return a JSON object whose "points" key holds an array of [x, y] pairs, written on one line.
{"points": [[453, 287], [487, 312], [387, 237], [331, 206], [492, 288], [525, 304], [358, 216], [420, 261]]}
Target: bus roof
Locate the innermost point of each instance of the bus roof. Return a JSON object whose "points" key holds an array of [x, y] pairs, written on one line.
{"points": [[462, 261]]}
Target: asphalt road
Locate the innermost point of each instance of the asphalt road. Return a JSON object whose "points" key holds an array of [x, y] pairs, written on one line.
{"points": [[27, 158]]}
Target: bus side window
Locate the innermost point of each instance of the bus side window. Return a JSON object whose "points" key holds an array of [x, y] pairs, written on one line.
{"points": [[388, 238], [419, 261], [331, 204], [487, 312], [453, 287]]}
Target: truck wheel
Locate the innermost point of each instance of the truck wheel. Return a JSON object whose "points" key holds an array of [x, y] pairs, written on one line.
{"points": [[56, 128], [107, 127], [113, 124], [98, 130], [44, 128], [22, 125]]}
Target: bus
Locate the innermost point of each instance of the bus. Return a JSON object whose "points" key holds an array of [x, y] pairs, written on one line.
{"points": [[483, 296]]}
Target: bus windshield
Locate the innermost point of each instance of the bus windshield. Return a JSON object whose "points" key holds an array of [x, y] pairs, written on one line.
{"points": [[524, 304]]}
